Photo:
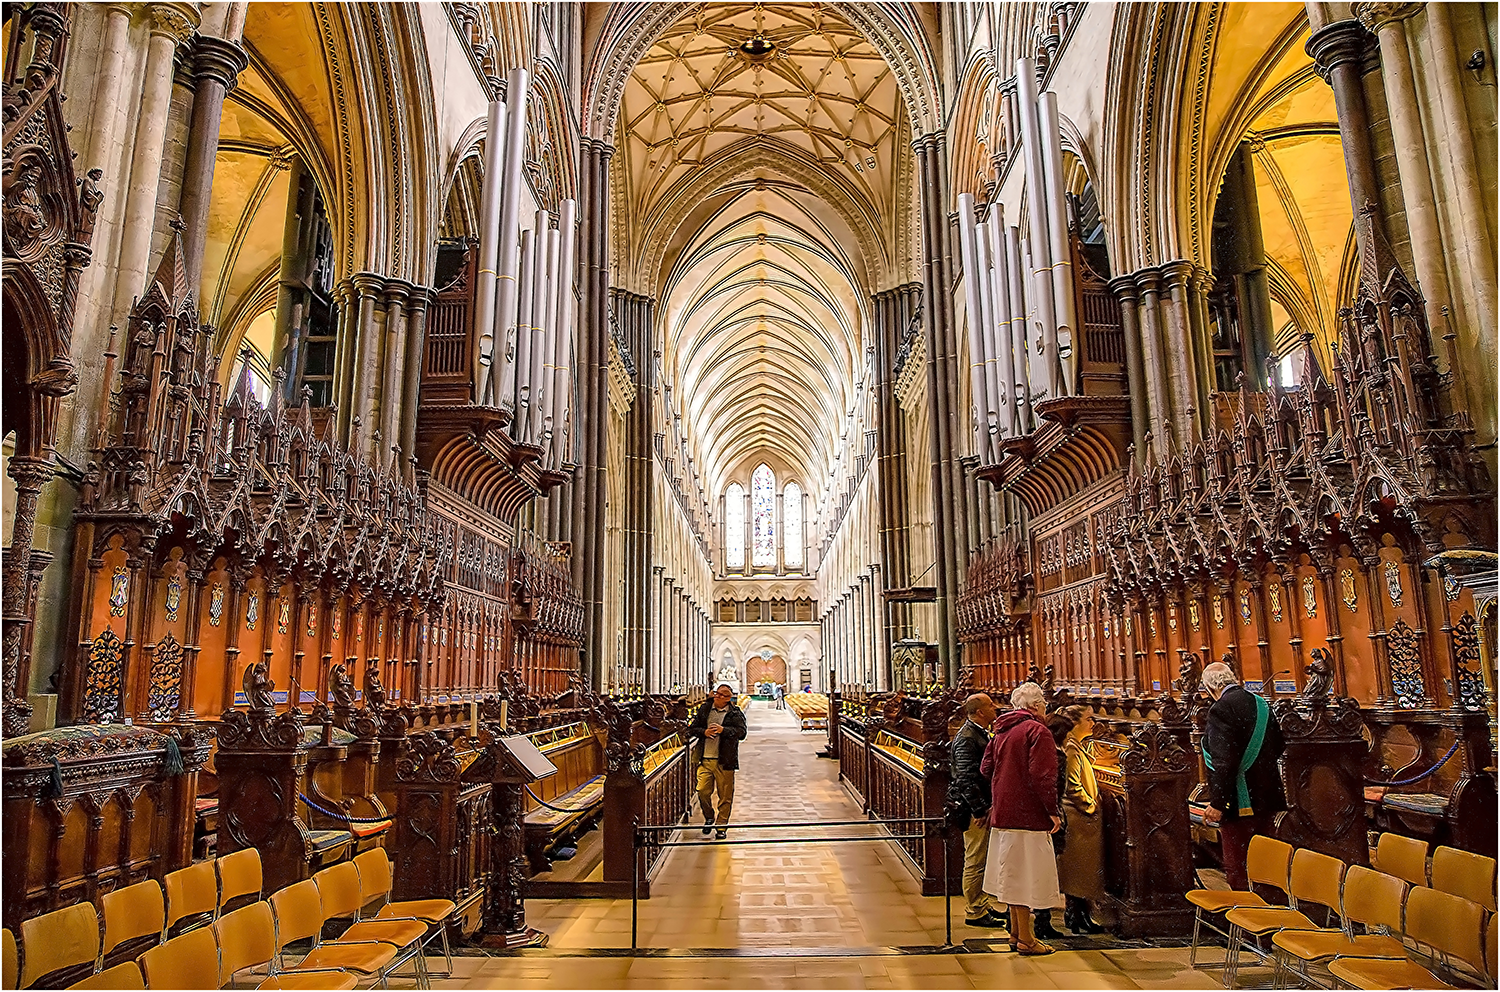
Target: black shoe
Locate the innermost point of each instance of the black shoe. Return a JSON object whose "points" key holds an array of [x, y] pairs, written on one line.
{"points": [[708, 828], [1077, 918], [1042, 925], [989, 921], [720, 834]]}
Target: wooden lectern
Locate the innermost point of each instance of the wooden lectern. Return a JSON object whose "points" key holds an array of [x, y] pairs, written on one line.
{"points": [[511, 763]]}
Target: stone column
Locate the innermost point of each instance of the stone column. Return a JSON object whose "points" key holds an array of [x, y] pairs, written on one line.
{"points": [[217, 64], [1339, 50], [1154, 354], [397, 292], [1135, 370], [107, 102], [1388, 21], [364, 353], [1475, 240], [1182, 372], [416, 345], [170, 23]]}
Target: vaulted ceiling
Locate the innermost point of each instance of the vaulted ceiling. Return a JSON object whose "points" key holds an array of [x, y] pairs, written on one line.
{"points": [[758, 198]]}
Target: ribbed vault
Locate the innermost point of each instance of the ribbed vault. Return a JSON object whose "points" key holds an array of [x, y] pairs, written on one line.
{"points": [[757, 193]]}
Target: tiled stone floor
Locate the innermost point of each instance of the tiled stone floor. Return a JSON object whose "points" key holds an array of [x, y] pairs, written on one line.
{"points": [[781, 904]]}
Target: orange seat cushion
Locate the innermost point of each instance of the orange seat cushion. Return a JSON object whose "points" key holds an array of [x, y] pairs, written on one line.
{"points": [[363, 830]]}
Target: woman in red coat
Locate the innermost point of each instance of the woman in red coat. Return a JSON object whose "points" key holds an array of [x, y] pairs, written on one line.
{"points": [[1021, 764]]}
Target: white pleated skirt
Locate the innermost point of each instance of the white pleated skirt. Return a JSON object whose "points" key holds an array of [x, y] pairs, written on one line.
{"points": [[1021, 869]]}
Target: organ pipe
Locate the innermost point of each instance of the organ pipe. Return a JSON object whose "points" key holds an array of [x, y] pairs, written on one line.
{"points": [[1044, 319], [489, 239], [546, 344], [986, 334], [999, 334], [503, 384], [1059, 252], [562, 344], [968, 254], [528, 293], [1019, 328]]}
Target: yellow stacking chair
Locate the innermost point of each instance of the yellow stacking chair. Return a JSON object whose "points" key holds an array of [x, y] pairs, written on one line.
{"points": [[247, 939], [10, 960], [1215, 901], [1372, 899], [239, 876], [1404, 857], [1464, 874], [132, 915], [190, 961], [375, 883], [1315, 878], [1451, 925], [126, 975], [62, 940], [192, 897], [338, 888], [298, 912]]}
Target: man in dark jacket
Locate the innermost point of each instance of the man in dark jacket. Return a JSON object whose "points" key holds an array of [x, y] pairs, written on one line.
{"points": [[1240, 748], [969, 793], [720, 725]]}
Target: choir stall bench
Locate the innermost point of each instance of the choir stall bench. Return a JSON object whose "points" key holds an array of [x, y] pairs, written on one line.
{"points": [[568, 804]]}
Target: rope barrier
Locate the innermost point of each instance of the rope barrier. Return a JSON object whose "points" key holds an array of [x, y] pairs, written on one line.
{"points": [[1417, 778], [341, 816]]}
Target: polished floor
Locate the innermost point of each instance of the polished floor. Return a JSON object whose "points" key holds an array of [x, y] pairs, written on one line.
{"points": [[797, 914]]}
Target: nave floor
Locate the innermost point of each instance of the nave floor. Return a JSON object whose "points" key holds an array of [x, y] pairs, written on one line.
{"points": [[798, 915]]}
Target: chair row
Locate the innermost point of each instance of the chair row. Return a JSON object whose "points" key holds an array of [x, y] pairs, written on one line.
{"points": [[1388, 910], [76, 940], [1458, 872]]}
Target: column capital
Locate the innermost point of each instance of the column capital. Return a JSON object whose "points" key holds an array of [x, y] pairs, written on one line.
{"points": [[1338, 43], [1375, 16], [173, 20], [367, 284], [219, 60], [1177, 273], [1124, 288]]}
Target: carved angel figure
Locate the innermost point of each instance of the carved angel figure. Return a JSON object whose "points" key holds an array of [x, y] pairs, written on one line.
{"points": [[1319, 675], [258, 687]]}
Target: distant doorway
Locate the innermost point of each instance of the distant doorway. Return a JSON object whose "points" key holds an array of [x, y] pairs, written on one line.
{"points": [[759, 670]]}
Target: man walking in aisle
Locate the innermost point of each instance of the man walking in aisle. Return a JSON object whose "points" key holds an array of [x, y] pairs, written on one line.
{"points": [[720, 725]]}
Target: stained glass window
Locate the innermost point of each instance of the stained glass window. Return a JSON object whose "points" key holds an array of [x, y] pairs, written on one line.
{"points": [[734, 525], [763, 517], [791, 525]]}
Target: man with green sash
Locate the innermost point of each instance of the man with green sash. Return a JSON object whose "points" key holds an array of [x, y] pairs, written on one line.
{"points": [[1241, 746]]}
